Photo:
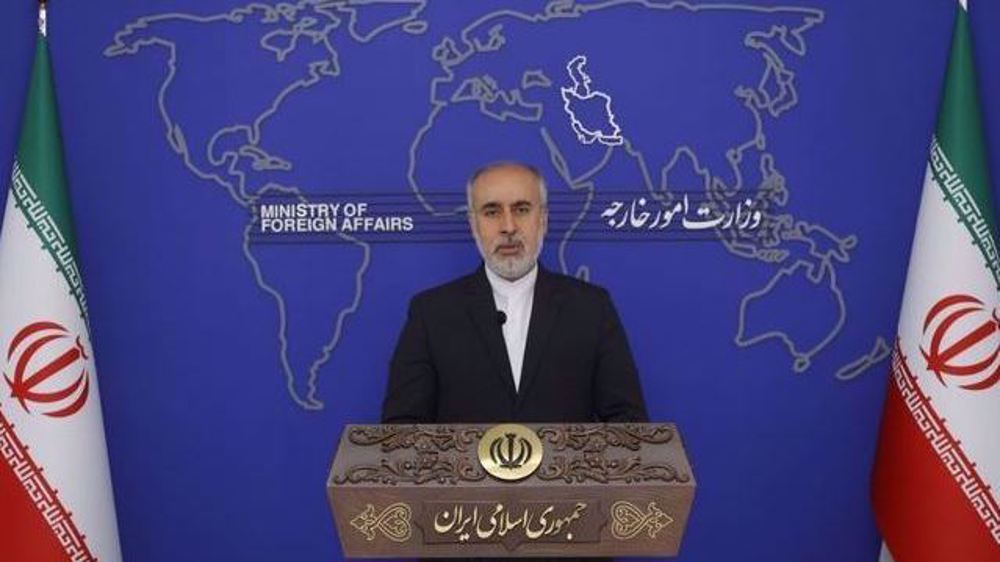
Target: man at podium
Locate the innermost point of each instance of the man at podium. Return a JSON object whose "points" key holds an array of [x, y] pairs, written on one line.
{"points": [[512, 342]]}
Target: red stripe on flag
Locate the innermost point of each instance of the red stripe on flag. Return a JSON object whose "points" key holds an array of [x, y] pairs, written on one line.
{"points": [[921, 509], [24, 534], [34, 524]]}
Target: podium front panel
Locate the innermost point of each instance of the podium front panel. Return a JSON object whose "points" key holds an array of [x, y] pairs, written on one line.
{"points": [[510, 490]]}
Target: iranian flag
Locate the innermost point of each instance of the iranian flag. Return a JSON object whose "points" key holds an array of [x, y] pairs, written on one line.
{"points": [[936, 482], [55, 488]]}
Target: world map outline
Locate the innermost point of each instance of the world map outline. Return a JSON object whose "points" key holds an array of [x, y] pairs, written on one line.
{"points": [[315, 21]]}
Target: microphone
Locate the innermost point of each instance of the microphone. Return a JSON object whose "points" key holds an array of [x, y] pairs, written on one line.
{"points": [[501, 317]]}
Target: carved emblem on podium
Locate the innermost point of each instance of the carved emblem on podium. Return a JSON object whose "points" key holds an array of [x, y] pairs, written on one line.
{"points": [[393, 522], [425, 467], [510, 451], [581, 454], [426, 439], [597, 439], [629, 520]]}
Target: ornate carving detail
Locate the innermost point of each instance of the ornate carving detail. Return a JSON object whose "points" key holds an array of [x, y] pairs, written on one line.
{"points": [[426, 467], [393, 522], [595, 439], [628, 520], [396, 437], [437, 454], [597, 467]]}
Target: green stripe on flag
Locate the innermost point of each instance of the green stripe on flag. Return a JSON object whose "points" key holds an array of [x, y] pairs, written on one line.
{"points": [[39, 151], [38, 183], [970, 213], [959, 126]]}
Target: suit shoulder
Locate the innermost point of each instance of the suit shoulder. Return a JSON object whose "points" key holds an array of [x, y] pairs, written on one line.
{"points": [[579, 287], [445, 291]]}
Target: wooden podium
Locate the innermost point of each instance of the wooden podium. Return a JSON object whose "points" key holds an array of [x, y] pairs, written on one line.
{"points": [[510, 490]]}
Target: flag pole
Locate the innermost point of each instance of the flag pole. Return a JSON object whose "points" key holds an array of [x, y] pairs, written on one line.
{"points": [[59, 449], [935, 473], [42, 18]]}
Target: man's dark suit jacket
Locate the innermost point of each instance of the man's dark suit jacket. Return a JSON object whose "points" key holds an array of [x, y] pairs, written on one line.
{"points": [[451, 365]]}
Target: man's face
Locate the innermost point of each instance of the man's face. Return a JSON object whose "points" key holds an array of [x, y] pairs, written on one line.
{"points": [[508, 220]]}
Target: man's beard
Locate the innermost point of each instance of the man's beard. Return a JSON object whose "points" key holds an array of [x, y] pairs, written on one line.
{"points": [[508, 267]]}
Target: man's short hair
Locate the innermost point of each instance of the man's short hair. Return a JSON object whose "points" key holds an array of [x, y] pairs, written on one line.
{"points": [[543, 191]]}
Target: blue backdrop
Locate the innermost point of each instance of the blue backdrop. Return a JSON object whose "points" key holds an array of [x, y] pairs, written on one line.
{"points": [[229, 363]]}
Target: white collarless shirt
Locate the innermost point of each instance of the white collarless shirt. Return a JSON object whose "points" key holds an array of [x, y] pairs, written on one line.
{"points": [[515, 299]]}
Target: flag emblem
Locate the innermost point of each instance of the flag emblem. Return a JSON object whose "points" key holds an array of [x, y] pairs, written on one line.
{"points": [[49, 368], [963, 342]]}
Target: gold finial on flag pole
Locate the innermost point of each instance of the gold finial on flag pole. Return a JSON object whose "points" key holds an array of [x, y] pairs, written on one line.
{"points": [[42, 19]]}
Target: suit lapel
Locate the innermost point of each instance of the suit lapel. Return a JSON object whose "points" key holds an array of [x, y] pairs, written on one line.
{"points": [[483, 312], [544, 312]]}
